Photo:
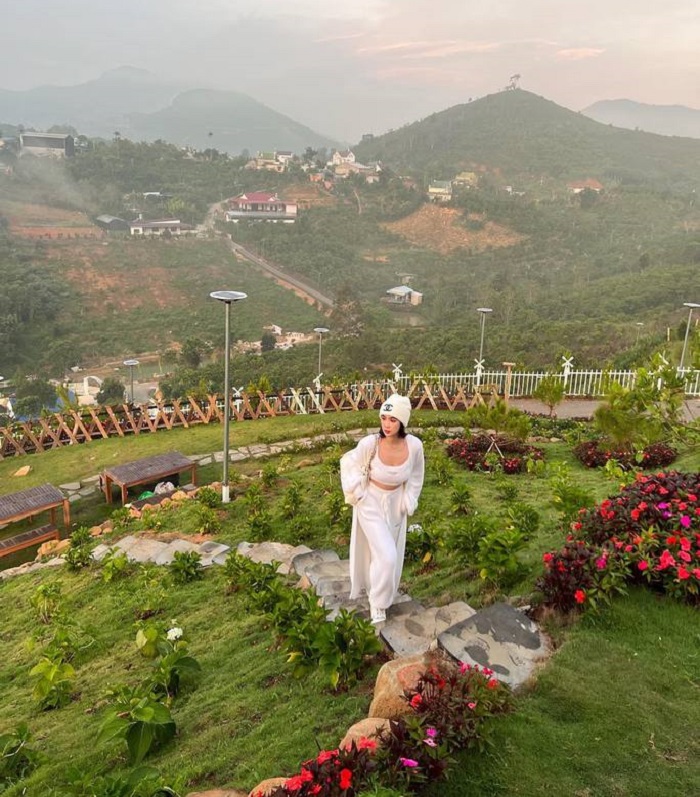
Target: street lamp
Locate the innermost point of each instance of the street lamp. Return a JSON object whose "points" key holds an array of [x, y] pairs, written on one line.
{"points": [[132, 364], [484, 312], [640, 324], [692, 306], [321, 332], [227, 297]]}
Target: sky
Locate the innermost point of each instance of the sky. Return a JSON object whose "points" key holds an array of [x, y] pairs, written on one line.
{"points": [[361, 66]]}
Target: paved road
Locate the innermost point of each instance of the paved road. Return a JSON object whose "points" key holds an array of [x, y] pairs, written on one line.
{"points": [[584, 408]]}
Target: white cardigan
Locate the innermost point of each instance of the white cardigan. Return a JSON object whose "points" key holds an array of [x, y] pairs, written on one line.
{"points": [[352, 479]]}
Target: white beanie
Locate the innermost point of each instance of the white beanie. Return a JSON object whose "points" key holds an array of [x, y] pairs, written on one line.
{"points": [[398, 407]]}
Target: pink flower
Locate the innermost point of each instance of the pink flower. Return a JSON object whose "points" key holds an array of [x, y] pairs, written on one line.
{"points": [[685, 521], [601, 562], [643, 565], [683, 574], [408, 762], [464, 667], [431, 732], [471, 706], [430, 742], [666, 560]]}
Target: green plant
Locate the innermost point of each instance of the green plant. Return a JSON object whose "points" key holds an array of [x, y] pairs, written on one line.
{"points": [[115, 565], [497, 556], [442, 469], [53, 683], [142, 781], [186, 567], [567, 497], [207, 520], [461, 500], [140, 719], [151, 590], [67, 642], [422, 543], [506, 489], [550, 391], [466, 533], [343, 647], [46, 600], [269, 474], [291, 502], [525, 518], [121, 518], [339, 513], [208, 497], [17, 758], [172, 661]]}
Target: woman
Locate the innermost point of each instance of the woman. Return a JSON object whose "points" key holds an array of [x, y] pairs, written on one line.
{"points": [[382, 479]]}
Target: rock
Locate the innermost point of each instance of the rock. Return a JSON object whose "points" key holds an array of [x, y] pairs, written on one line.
{"points": [[301, 563], [267, 787], [269, 552], [338, 570], [96, 531], [366, 728], [500, 637], [417, 630], [52, 548], [23, 471], [179, 495], [167, 554], [306, 463], [70, 487], [392, 680]]}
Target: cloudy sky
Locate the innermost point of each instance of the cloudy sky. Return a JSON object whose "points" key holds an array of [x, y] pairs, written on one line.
{"points": [[366, 65]]}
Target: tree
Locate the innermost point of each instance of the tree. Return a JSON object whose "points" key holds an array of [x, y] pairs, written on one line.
{"points": [[111, 391], [550, 391], [268, 341], [193, 349]]}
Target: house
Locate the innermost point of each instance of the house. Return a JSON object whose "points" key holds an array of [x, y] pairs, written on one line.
{"points": [[53, 145], [271, 161], [590, 183], [440, 191], [112, 223], [261, 206], [342, 156], [403, 294], [468, 179], [158, 228]]}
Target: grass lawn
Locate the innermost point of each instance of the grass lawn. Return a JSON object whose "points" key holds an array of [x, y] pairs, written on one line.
{"points": [[615, 712]]}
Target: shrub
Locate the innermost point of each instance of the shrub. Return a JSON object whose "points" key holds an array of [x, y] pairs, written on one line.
{"points": [[466, 534], [484, 453], [17, 758], [594, 454], [186, 567], [46, 601], [422, 543], [649, 533], [497, 556], [343, 646], [53, 683], [208, 497]]}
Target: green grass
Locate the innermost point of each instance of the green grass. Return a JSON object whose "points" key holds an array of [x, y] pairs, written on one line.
{"points": [[615, 712]]}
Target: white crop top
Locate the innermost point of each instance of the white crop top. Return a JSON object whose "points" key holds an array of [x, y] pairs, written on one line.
{"points": [[394, 475]]}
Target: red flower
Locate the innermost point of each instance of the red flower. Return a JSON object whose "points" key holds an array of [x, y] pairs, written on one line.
{"points": [[547, 558], [326, 755], [643, 565], [416, 700], [366, 744], [580, 596], [683, 573], [345, 779], [492, 683]]}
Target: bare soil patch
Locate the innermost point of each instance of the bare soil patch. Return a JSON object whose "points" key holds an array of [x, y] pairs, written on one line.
{"points": [[442, 229], [42, 221], [308, 195]]}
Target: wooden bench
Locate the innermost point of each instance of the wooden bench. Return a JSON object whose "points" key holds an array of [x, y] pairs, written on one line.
{"points": [[146, 471], [27, 539]]}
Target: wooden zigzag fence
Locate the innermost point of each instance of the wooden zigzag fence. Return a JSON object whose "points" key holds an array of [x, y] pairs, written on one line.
{"points": [[96, 423]]}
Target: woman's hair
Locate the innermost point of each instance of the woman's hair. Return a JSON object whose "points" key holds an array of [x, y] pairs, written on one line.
{"points": [[402, 430]]}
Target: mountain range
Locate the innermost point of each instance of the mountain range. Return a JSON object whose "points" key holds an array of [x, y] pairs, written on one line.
{"points": [[667, 120], [142, 107]]}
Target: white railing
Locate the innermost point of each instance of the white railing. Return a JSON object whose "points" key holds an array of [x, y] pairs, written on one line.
{"points": [[579, 384]]}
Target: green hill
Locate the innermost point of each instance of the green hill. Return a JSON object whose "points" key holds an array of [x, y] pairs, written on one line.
{"points": [[527, 137]]}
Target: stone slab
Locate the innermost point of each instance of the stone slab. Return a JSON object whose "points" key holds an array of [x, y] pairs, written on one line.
{"points": [[328, 585], [212, 548], [144, 550], [234, 456], [304, 561], [500, 637], [69, 487], [167, 555], [269, 552], [338, 569], [418, 631]]}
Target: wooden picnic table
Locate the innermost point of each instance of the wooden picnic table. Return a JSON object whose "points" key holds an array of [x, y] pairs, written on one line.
{"points": [[146, 471], [27, 503]]}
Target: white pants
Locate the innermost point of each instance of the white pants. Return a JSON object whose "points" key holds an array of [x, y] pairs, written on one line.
{"points": [[379, 522]]}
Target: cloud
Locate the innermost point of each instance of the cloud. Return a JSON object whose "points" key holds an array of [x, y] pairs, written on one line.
{"points": [[578, 53]]}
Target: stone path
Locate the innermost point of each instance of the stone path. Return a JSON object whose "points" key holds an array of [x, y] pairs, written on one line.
{"points": [[500, 636]]}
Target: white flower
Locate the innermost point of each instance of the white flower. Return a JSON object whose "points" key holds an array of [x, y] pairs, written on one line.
{"points": [[174, 634], [415, 527]]}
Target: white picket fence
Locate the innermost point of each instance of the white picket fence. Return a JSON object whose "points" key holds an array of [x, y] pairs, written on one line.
{"points": [[578, 384]]}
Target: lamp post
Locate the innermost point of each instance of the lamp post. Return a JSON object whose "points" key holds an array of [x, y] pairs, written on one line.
{"points": [[484, 312], [640, 324], [321, 332], [132, 364], [228, 298], [692, 306]]}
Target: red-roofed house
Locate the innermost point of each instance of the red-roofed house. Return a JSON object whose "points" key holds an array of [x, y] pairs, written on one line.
{"points": [[261, 205]]}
